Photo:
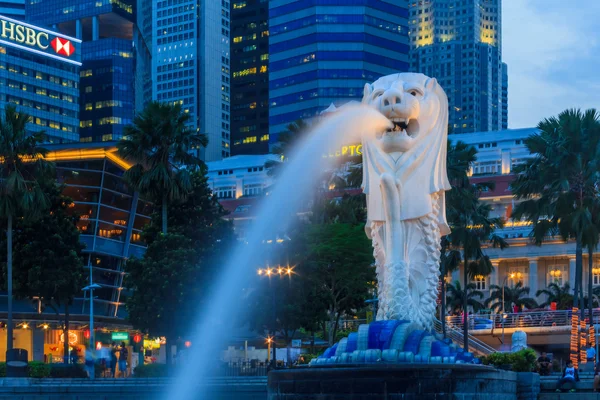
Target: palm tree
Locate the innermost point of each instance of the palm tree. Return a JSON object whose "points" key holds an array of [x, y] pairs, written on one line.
{"points": [[456, 297], [561, 295], [460, 157], [162, 143], [471, 226], [512, 295], [559, 185], [22, 171]]}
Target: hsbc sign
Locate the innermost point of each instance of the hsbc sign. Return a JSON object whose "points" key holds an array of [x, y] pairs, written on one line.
{"points": [[38, 40]]}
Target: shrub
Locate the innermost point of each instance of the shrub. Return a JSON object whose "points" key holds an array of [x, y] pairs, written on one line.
{"points": [[2, 370], [67, 371], [37, 369], [520, 361], [150, 371], [523, 360]]}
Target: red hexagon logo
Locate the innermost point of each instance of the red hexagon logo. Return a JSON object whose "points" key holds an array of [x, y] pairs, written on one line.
{"points": [[63, 46]]}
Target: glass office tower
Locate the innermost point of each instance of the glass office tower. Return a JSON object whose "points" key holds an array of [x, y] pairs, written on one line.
{"points": [[108, 71], [39, 73], [324, 51]]}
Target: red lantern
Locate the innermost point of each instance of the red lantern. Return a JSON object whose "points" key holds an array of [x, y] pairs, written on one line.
{"points": [[86, 334], [137, 338], [188, 343]]}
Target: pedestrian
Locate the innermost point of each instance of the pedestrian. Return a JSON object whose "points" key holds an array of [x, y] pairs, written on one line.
{"points": [[590, 354], [74, 355], [570, 376], [123, 353], [113, 360], [543, 364], [89, 362]]}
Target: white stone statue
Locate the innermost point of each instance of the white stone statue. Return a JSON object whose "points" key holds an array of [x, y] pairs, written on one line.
{"points": [[404, 178]]}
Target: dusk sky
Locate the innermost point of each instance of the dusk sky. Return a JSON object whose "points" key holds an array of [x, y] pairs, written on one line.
{"points": [[552, 48]]}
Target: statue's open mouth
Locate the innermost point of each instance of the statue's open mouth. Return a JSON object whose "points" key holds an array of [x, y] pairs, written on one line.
{"points": [[409, 127]]}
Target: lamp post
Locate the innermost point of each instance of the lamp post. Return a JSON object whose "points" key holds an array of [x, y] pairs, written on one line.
{"points": [[269, 272], [503, 306], [92, 337]]}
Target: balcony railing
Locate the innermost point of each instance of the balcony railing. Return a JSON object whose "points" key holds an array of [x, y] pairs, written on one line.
{"points": [[533, 319]]}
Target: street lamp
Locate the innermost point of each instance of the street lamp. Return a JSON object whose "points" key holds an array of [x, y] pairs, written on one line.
{"points": [[92, 339], [281, 272], [511, 276]]}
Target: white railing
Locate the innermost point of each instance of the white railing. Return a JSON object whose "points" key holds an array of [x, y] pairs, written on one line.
{"points": [[475, 345], [527, 319]]}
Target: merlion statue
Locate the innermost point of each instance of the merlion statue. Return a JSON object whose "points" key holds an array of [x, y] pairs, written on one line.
{"points": [[404, 178]]}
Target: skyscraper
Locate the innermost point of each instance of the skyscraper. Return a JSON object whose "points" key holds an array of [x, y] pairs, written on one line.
{"points": [[324, 51], [13, 9], [190, 65], [39, 74], [249, 77], [460, 43], [107, 74]]}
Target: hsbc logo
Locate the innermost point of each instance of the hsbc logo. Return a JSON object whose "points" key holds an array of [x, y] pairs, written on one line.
{"points": [[62, 46], [39, 40]]}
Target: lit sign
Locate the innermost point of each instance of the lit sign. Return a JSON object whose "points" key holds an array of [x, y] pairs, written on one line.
{"points": [[72, 338], [38, 40], [353, 150], [119, 336]]}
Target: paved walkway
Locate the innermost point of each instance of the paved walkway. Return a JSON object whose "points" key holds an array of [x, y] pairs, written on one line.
{"points": [[226, 388]]}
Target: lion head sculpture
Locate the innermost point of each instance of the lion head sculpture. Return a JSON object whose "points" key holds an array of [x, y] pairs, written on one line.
{"points": [[414, 150]]}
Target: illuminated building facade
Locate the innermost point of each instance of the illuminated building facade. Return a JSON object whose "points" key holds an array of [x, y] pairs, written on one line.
{"points": [[112, 217], [498, 153], [14, 9], [249, 77], [39, 73], [324, 51], [190, 66], [460, 43], [108, 70]]}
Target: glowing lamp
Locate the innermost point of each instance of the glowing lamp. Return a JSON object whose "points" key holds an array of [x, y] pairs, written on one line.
{"points": [[98, 345], [137, 338], [188, 344], [25, 326], [45, 326], [86, 334]]}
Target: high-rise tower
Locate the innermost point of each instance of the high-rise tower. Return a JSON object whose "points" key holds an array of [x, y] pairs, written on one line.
{"points": [[324, 51], [190, 65], [13, 9], [460, 43], [249, 77], [107, 75]]}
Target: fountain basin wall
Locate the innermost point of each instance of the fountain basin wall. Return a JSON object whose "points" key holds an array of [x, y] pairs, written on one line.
{"points": [[393, 382]]}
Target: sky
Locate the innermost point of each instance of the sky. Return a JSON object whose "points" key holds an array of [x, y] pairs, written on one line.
{"points": [[552, 48]]}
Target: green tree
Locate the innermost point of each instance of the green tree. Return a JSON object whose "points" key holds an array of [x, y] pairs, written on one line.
{"points": [[47, 250], [21, 170], [164, 284], [459, 160], [558, 187], [338, 265], [170, 282], [512, 295], [288, 139], [457, 300], [162, 144], [561, 295], [471, 226]]}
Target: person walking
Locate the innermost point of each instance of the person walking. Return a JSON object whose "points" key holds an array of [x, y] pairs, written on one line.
{"points": [[123, 353], [113, 360]]}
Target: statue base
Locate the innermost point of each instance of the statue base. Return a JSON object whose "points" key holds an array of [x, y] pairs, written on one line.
{"points": [[392, 381]]}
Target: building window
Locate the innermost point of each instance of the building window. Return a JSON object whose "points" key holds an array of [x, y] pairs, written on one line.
{"points": [[557, 274], [480, 282], [596, 275], [516, 275]]}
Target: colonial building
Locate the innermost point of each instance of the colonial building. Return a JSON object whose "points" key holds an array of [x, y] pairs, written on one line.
{"points": [[523, 261]]}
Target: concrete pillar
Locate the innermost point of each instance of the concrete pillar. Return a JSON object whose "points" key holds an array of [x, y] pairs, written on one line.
{"points": [[572, 272], [456, 276], [506, 161], [38, 345], [78, 29], [494, 280], [95, 28], [533, 276]]}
